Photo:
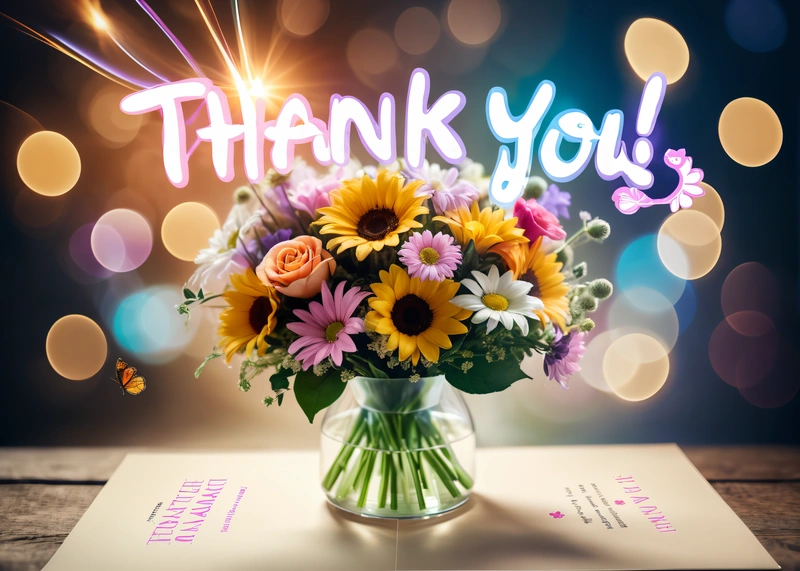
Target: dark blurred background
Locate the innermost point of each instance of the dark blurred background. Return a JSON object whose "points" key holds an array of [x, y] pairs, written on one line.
{"points": [[577, 45]]}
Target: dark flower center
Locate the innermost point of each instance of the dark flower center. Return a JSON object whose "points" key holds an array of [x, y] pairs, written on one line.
{"points": [[412, 315], [259, 313], [530, 277], [375, 224]]}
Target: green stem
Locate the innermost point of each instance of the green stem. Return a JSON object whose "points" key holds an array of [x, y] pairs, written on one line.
{"points": [[362, 499], [384, 485], [571, 239], [344, 454], [393, 482]]}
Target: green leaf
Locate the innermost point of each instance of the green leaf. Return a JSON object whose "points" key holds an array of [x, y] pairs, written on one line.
{"points": [[377, 373], [316, 393], [188, 294], [214, 355], [200, 294], [280, 399], [483, 377], [280, 380]]}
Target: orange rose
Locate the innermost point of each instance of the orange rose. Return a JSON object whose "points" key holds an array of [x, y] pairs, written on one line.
{"points": [[297, 267]]}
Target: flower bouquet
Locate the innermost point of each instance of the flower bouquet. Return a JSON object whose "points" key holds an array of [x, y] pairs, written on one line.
{"points": [[402, 284]]}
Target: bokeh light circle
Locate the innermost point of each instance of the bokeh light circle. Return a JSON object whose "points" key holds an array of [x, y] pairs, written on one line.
{"points": [[659, 320], [636, 367], [76, 347], [743, 348], [371, 51], [689, 236], [592, 362], [187, 228], [121, 240], [639, 266], [109, 121], [303, 17], [474, 22], [756, 25], [146, 323], [48, 163], [80, 250], [711, 205], [750, 131], [416, 30], [781, 386], [750, 287], [652, 46]]}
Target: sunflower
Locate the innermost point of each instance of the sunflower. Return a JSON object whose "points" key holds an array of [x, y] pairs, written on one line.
{"points": [[250, 317], [486, 227], [531, 264], [370, 214], [417, 316]]}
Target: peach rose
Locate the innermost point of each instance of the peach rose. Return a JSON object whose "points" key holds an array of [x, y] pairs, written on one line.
{"points": [[297, 267]]}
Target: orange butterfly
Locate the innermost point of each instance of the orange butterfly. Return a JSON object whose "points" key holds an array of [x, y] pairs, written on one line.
{"points": [[127, 378]]}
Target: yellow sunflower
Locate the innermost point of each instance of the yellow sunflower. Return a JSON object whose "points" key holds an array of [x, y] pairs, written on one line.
{"points": [[531, 264], [417, 316], [486, 227], [250, 317], [370, 214]]}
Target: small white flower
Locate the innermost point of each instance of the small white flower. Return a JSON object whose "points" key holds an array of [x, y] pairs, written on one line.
{"points": [[499, 299], [585, 216]]}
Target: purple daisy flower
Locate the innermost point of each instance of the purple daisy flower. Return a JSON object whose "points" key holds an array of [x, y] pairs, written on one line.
{"points": [[429, 257], [565, 353], [443, 187], [556, 202], [326, 327]]}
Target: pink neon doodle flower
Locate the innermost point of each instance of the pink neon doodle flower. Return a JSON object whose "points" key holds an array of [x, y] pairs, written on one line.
{"points": [[326, 327], [619, 502], [429, 257], [556, 515]]}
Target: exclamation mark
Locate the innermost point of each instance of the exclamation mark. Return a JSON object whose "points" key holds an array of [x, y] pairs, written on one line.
{"points": [[649, 106]]}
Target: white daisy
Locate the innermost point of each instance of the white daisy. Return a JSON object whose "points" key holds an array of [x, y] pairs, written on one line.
{"points": [[499, 299]]}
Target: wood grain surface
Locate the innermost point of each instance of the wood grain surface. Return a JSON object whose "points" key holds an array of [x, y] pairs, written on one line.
{"points": [[45, 491]]}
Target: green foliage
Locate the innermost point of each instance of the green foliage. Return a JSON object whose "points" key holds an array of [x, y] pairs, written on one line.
{"points": [[214, 355], [316, 393], [483, 377]]}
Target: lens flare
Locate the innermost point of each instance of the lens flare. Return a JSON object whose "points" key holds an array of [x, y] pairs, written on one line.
{"points": [[689, 244], [474, 22], [187, 228], [592, 363], [48, 163], [106, 118], [654, 46], [121, 240], [76, 347], [636, 367], [750, 132], [80, 250], [780, 387]]}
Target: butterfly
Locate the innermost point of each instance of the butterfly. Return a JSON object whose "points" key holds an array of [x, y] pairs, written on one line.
{"points": [[127, 378]]}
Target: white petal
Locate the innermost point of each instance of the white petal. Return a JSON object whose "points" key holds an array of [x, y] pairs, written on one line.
{"points": [[471, 302], [523, 324], [505, 317], [505, 280], [485, 282], [472, 286], [482, 315], [491, 324]]}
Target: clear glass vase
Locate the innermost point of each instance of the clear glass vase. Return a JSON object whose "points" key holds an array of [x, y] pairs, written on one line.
{"points": [[392, 448]]}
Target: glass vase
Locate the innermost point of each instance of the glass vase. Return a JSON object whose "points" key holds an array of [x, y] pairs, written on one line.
{"points": [[397, 449]]}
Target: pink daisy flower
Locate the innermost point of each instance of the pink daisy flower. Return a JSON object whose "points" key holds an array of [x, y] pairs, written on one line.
{"points": [[429, 257], [326, 327]]}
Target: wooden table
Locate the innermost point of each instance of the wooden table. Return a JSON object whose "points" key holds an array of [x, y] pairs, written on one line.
{"points": [[45, 491]]}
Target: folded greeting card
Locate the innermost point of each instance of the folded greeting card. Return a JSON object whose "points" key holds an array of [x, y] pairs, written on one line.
{"points": [[589, 507]]}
